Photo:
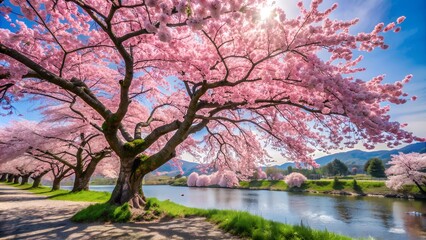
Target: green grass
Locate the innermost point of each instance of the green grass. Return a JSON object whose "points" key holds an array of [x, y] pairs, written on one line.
{"points": [[179, 182], [104, 212], [264, 185], [242, 223], [157, 180], [83, 196], [328, 185]]}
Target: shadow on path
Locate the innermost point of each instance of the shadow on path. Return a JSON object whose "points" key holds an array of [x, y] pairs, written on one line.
{"points": [[28, 216]]}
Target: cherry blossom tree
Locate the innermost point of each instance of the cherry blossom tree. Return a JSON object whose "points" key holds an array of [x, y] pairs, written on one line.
{"points": [[80, 156], [13, 173], [228, 179], [225, 178], [26, 167], [407, 169], [170, 69], [215, 178], [10, 177], [261, 174], [203, 181], [3, 177], [69, 149], [192, 179], [295, 179], [38, 174], [258, 174]]}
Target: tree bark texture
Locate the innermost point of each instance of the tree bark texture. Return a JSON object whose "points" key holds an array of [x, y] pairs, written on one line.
{"points": [[10, 177], [82, 178], [420, 187], [24, 179], [37, 178], [16, 179], [81, 182], [56, 185], [37, 181], [129, 184]]}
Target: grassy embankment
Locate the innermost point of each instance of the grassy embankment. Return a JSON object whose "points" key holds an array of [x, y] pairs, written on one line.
{"points": [[236, 222], [329, 186], [363, 185]]}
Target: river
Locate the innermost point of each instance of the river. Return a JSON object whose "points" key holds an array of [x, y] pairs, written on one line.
{"points": [[380, 218]]}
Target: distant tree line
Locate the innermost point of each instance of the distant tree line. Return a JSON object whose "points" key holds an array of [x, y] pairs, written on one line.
{"points": [[374, 167]]}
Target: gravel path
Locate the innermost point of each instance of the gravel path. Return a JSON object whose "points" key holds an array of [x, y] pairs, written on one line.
{"points": [[24, 215]]}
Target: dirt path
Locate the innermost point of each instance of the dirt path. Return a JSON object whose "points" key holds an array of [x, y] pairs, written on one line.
{"points": [[24, 215]]}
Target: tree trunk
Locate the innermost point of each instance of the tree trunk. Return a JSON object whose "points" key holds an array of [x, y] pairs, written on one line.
{"points": [[129, 185], [37, 178], [420, 187], [56, 184], [3, 177], [10, 178], [81, 182], [16, 179], [82, 178], [24, 179], [37, 181]]}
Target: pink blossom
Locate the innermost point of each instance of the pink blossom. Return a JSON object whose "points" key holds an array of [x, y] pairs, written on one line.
{"points": [[228, 179], [326, 110], [164, 35], [215, 8], [295, 179], [203, 181], [400, 19], [164, 18], [215, 178], [389, 26], [192, 179], [149, 27], [261, 174], [151, 3], [195, 23], [407, 169]]}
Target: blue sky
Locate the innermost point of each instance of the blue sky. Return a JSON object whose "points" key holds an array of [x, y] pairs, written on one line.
{"points": [[406, 54]]}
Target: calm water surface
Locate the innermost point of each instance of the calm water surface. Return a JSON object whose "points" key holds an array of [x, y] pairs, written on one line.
{"points": [[381, 218]]}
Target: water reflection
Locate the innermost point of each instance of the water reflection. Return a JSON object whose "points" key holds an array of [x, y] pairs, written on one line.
{"points": [[414, 226], [343, 208], [251, 201], [383, 210], [361, 217]]}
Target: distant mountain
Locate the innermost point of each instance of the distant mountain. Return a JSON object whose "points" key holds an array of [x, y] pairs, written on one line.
{"points": [[170, 170], [354, 157], [359, 157]]}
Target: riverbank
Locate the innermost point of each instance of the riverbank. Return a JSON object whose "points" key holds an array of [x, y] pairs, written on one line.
{"points": [[236, 222], [371, 188]]}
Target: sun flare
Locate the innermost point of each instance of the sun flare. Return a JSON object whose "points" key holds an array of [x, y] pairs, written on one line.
{"points": [[266, 12]]}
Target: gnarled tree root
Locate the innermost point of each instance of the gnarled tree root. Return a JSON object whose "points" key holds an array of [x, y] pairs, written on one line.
{"points": [[137, 201]]}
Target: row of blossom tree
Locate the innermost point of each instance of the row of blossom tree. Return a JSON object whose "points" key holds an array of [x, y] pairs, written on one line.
{"points": [[60, 146], [230, 179], [158, 79], [405, 169]]}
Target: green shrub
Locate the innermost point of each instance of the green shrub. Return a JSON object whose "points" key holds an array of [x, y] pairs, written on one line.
{"points": [[179, 182], [337, 184], [355, 186]]}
